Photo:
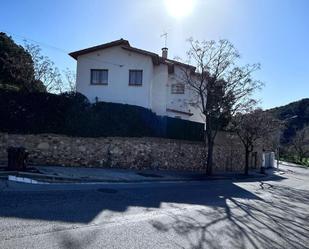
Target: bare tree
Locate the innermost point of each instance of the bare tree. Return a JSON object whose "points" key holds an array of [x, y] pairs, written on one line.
{"points": [[252, 126], [45, 69], [70, 78], [300, 144], [221, 87]]}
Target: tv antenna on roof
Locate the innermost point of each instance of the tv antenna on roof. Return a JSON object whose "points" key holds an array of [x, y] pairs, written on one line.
{"points": [[165, 38]]}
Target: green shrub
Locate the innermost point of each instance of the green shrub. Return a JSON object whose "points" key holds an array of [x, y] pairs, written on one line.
{"points": [[72, 114]]}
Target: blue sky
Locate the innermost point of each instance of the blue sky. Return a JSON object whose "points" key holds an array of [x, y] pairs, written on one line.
{"points": [[272, 32]]}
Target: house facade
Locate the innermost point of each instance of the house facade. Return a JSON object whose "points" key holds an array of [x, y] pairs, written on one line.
{"points": [[117, 72]]}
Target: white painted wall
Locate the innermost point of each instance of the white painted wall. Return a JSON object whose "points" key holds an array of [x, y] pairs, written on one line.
{"points": [[155, 92], [118, 89], [159, 89]]}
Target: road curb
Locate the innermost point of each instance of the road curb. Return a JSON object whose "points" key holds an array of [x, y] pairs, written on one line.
{"points": [[13, 186]]}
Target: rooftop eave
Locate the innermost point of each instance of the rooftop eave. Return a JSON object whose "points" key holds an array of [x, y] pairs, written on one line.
{"points": [[122, 42], [155, 58]]}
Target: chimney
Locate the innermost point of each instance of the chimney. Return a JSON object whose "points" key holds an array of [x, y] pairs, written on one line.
{"points": [[164, 52]]}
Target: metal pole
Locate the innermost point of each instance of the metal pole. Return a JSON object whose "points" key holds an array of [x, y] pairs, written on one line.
{"points": [[278, 157]]}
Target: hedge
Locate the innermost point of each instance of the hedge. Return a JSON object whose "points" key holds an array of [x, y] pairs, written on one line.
{"points": [[72, 114]]}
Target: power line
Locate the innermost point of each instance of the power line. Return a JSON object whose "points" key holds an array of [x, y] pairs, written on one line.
{"points": [[38, 42], [57, 48]]}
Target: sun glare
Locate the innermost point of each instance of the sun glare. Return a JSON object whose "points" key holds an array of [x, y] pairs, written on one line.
{"points": [[179, 8]]}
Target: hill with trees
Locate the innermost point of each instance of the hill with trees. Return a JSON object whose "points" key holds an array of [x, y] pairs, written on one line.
{"points": [[295, 115], [295, 134]]}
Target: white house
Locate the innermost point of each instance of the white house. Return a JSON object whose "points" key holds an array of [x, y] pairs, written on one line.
{"points": [[117, 72]]}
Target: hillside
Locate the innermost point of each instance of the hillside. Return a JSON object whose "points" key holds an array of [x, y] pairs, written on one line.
{"points": [[296, 116]]}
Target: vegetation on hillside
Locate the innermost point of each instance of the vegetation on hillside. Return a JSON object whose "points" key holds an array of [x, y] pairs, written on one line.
{"points": [[295, 134], [295, 116]]}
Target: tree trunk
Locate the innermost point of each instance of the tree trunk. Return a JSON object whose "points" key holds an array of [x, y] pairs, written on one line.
{"points": [[247, 161], [209, 157], [210, 143]]}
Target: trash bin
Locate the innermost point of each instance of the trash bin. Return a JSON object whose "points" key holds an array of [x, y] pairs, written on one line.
{"points": [[17, 158]]}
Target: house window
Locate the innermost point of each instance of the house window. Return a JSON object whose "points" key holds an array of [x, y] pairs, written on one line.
{"points": [[135, 77], [178, 88], [99, 77]]}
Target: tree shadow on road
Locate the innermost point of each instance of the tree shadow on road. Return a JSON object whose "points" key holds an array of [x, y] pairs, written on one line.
{"points": [[85, 205], [223, 207], [281, 222]]}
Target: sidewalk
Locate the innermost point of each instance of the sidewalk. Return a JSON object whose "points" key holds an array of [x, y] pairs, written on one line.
{"points": [[291, 164], [85, 174], [58, 174], [293, 168], [126, 175]]}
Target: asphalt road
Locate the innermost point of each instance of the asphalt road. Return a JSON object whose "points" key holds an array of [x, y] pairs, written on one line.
{"points": [[272, 213]]}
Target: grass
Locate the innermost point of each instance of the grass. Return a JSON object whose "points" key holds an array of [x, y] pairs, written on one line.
{"points": [[294, 159]]}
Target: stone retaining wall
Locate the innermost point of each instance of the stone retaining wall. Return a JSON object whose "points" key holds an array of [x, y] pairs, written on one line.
{"points": [[116, 152]]}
